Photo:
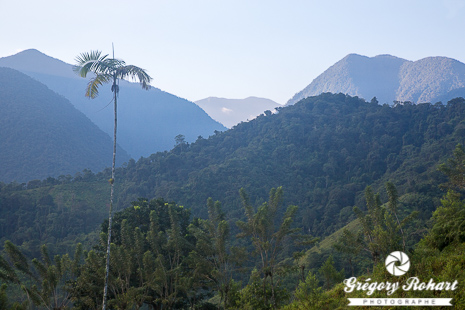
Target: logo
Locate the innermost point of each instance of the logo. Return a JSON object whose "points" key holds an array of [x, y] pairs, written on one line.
{"points": [[397, 263]]}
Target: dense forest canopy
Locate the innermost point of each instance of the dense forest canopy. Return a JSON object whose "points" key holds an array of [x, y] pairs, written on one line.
{"points": [[164, 259], [320, 158], [323, 151]]}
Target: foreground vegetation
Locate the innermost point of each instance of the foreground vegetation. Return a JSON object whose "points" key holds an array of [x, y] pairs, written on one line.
{"points": [[165, 259]]}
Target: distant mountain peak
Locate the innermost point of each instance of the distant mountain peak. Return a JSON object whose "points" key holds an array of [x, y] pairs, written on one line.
{"points": [[32, 60], [390, 78], [377, 58], [31, 51], [230, 112], [354, 56], [160, 116]]}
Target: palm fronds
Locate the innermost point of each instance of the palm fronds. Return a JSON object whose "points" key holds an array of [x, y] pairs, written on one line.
{"points": [[107, 69]]}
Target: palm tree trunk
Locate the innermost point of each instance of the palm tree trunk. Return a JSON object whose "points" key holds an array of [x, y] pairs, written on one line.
{"points": [[110, 216]]}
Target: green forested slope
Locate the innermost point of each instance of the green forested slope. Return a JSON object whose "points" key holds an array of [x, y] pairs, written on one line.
{"points": [[324, 151], [162, 258], [58, 215]]}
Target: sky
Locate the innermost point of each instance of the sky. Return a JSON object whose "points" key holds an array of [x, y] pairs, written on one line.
{"points": [[234, 49]]}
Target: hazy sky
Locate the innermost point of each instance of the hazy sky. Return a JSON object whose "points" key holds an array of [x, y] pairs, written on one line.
{"points": [[234, 49]]}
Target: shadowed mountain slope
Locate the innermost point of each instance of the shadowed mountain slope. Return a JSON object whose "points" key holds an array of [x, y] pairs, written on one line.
{"points": [[148, 121], [42, 134]]}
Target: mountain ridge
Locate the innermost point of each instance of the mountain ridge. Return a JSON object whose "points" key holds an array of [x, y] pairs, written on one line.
{"points": [[148, 121], [389, 79], [32, 60], [231, 112]]}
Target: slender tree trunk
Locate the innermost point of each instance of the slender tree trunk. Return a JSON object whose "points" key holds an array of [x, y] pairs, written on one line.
{"points": [[110, 216], [401, 231], [351, 266]]}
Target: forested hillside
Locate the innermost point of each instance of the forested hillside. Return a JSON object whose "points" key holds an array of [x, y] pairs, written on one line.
{"points": [[42, 134], [323, 151], [294, 175]]}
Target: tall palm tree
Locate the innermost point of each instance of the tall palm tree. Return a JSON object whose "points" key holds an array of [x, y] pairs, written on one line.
{"points": [[105, 70]]}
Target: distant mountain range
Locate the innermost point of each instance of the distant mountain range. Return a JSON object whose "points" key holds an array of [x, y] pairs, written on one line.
{"points": [[148, 121], [42, 134], [389, 79], [231, 112]]}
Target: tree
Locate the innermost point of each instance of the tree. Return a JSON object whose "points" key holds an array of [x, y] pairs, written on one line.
{"points": [[180, 139], [449, 222], [149, 265], [329, 273], [350, 245], [16, 266], [449, 218], [267, 234], [392, 206], [107, 70], [54, 278], [455, 169], [213, 260], [309, 295], [383, 231], [48, 283]]}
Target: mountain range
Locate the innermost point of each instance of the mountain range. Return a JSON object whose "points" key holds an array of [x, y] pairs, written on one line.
{"points": [[390, 79], [43, 135], [231, 112], [148, 121]]}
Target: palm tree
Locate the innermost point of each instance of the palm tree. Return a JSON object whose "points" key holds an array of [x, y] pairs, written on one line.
{"points": [[105, 70]]}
